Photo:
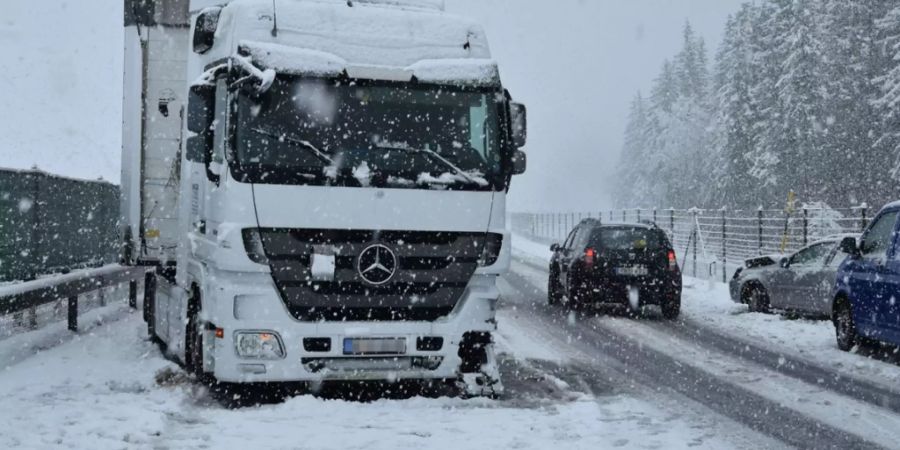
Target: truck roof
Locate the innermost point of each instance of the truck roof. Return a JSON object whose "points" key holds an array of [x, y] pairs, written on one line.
{"points": [[372, 38]]}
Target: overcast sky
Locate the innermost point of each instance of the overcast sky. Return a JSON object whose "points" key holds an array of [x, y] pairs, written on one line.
{"points": [[575, 63]]}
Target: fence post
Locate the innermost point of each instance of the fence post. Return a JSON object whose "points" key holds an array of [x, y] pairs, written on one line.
{"points": [[724, 245], [149, 301], [759, 215], [696, 235], [638, 214], [610, 215], [805, 227], [73, 313], [672, 221], [132, 294], [558, 225], [624, 217], [865, 222], [654, 215]]}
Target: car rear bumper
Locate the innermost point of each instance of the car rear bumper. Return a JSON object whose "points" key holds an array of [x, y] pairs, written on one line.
{"points": [[620, 291]]}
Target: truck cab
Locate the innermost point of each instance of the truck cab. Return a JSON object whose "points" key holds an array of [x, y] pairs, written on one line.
{"points": [[341, 198], [867, 291]]}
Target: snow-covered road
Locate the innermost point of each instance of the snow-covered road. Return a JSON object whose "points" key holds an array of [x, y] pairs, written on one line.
{"points": [[109, 387], [719, 378]]}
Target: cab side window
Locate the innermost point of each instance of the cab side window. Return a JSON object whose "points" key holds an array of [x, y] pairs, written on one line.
{"points": [[581, 238], [568, 244], [880, 236]]}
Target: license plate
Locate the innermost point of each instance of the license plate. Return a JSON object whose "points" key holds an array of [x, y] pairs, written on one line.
{"points": [[374, 346], [632, 271]]}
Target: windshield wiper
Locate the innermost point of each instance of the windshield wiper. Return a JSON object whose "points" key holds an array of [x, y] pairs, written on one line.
{"points": [[436, 157], [299, 142]]}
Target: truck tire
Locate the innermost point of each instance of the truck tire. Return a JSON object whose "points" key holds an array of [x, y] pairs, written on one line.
{"points": [[193, 342], [844, 327], [150, 309]]}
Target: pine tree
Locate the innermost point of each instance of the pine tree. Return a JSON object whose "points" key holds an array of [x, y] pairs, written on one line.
{"points": [[735, 139], [888, 102], [631, 187]]}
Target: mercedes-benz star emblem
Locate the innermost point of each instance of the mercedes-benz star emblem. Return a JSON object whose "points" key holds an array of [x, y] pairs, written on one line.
{"points": [[377, 264]]}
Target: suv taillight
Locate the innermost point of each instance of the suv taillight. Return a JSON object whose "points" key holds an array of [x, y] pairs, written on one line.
{"points": [[673, 261], [589, 256]]}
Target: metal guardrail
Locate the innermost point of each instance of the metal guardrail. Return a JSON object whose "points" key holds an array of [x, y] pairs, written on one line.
{"points": [[25, 296]]}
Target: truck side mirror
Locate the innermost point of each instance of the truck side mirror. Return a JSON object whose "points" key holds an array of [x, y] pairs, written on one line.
{"points": [[554, 247], [201, 109], [205, 29], [784, 263], [196, 149], [850, 246], [519, 123], [519, 162], [200, 119]]}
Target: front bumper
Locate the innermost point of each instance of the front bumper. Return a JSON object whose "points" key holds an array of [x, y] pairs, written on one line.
{"points": [[251, 303]]}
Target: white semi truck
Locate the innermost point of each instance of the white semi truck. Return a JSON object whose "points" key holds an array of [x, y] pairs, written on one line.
{"points": [[323, 186]]}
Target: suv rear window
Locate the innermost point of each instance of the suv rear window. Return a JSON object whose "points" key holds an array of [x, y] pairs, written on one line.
{"points": [[628, 238]]}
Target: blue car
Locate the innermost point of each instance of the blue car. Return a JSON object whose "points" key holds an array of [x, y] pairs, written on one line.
{"points": [[867, 289]]}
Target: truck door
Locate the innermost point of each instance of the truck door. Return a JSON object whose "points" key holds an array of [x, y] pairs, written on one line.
{"points": [[868, 287]]}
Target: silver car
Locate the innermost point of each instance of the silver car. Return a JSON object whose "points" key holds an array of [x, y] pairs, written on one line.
{"points": [[801, 282]]}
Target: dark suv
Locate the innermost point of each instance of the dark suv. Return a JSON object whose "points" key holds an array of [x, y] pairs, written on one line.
{"points": [[624, 264]]}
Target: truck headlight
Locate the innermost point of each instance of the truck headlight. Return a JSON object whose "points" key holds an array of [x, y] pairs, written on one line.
{"points": [[258, 345], [492, 245], [253, 244]]}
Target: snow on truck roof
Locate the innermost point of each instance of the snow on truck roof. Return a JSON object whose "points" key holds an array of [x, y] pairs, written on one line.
{"points": [[325, 37]]}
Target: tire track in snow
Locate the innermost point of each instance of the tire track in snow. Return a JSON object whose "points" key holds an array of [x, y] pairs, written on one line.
{"points": [[783, 362], [650, 367]]}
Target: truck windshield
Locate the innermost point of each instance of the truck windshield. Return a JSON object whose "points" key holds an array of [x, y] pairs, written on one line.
{"points": [[317, 131]]}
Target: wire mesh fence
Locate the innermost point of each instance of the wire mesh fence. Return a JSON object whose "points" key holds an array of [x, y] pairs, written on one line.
{"points": [[712, 243], [54, 224]]}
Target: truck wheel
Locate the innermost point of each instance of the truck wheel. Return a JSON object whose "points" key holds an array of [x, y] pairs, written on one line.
{"points": [[193, 342], [150, 309], [844, 327], [757, 298]]}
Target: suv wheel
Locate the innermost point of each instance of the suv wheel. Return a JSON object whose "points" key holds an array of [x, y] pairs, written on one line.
{"points": [[575, 296], [757, 298], [671, 310], [553, 289], [844, 328]]}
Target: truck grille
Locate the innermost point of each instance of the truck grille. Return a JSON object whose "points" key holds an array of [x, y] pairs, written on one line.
{"points": [[431, 273]]}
